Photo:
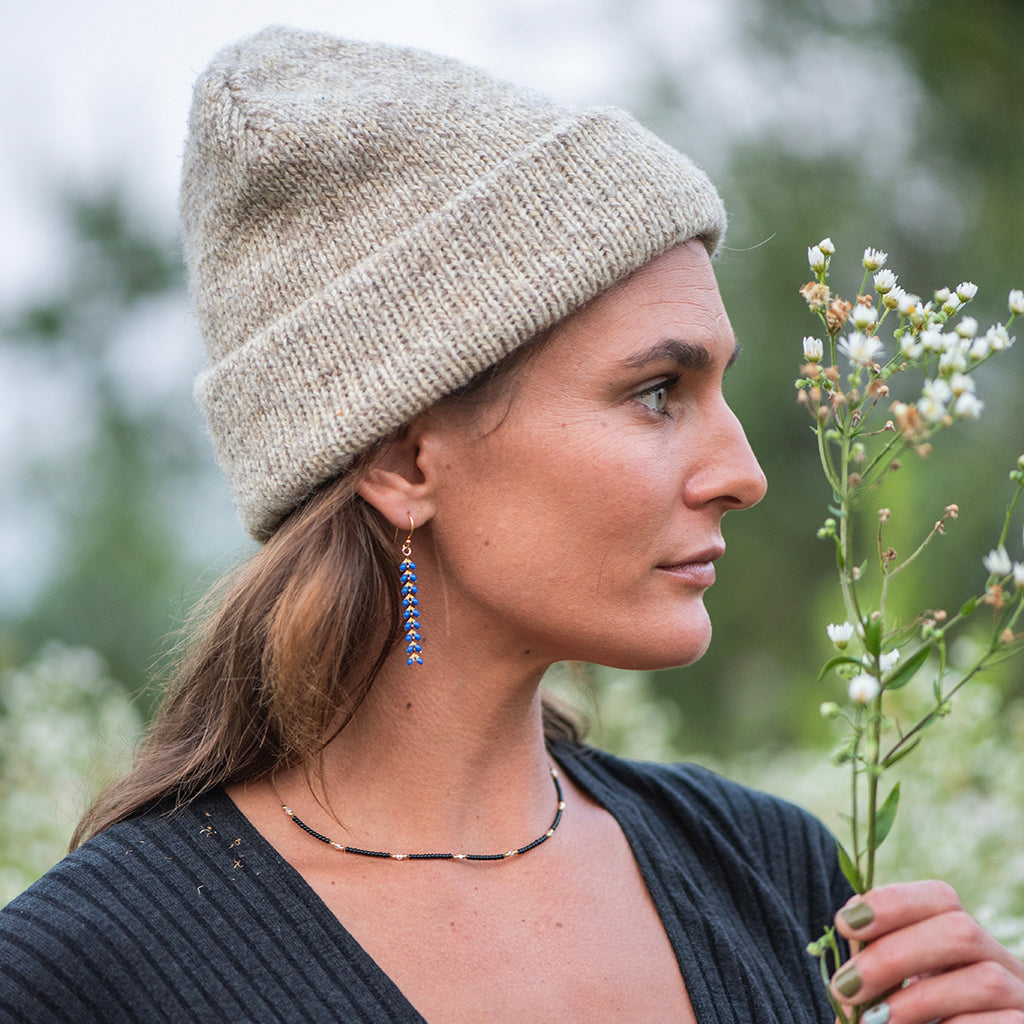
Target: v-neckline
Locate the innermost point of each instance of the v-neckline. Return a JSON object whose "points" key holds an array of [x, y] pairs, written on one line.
{"points": [[626, 815]]}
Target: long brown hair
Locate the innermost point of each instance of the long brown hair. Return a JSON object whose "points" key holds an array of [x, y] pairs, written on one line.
{"points": [[286, 650]]}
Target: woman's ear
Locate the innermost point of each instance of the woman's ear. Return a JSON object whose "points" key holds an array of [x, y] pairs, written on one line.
{"points": [[395, 484]]}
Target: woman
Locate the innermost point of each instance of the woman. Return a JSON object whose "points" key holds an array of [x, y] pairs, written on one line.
{"points": [[467, 353]]}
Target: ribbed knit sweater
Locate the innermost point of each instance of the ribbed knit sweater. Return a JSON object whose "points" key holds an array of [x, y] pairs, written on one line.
{"points": [[194, 917]]}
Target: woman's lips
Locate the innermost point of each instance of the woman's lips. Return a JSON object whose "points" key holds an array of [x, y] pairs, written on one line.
{"points": [[699, 570]]}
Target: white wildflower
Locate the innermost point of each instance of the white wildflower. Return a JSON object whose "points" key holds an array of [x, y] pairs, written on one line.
{"points": [[935, 395], [942, 295], [816, 258], [953, 360], [998, 562], [998, 338], [863, 317], [966, 290], [860, 350], [885, 281], [840, 633], [887, 662], [814, 348], [910, 346], [932, 340], [968, 327], [979, 349], [1018, 575], [961, 384], [891, 299], [1015, 301], [864, 688], [951, 305], [908, 303], [874, 259], [826, 246], [968, 406]]}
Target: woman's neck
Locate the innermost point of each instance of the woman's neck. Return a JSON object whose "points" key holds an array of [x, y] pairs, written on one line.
{"points": [[437, 758]]}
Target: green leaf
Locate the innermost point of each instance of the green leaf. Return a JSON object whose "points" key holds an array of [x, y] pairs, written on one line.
{"points": [[839, 659], [873, 634], [908, 669], [968, 606], [900, 754], [886, 815], [848, 868]]}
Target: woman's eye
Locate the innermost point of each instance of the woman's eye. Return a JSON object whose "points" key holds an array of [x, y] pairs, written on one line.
{"points": [[656, 397]]}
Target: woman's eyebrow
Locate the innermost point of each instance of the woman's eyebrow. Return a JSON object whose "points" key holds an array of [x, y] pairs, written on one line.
{"points": [[685, 354]]}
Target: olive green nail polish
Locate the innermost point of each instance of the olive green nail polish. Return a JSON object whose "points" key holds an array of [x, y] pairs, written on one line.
{"points": [[848, 981], [860, 915]]}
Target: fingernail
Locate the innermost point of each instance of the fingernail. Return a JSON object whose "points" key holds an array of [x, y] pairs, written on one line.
{"points": [[876, 1015], [847, 981], [859, 915]]}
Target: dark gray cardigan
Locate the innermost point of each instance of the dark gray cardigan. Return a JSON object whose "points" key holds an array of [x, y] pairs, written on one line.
{"points": [[194, 917]]}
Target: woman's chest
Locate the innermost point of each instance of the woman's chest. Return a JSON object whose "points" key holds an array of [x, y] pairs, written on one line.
{"points": [[532, 948]]}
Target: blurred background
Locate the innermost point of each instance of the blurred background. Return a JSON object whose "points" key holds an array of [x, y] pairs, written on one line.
{"points": [[890, 123]]}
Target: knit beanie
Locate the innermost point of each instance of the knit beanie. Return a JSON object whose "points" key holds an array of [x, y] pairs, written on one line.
{"points": [[368, 227]]}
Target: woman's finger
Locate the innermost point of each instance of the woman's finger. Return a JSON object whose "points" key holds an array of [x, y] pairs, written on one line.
{"points": [[894, 906], [985, 987], [942, 943]]}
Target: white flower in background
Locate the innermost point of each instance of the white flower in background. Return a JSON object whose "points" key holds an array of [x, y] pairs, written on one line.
{"points": [[998, 562], [887, 662], [860, 350], [935, 395], [942, 295], [1018, 575], [968, 407], [840, 633], [891, 299], [998, 338], [826, 246], [908, 303], [863, 317], [960, 384], [953, 360], [864, 688], [932, 340], [874, 259], [814, 348], [979, 349], [911, 347], [1015, 301], [816, 258], [885, 281], [967, 328], [966, 290]]}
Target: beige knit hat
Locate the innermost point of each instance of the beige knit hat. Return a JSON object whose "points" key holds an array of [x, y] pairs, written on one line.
{"points": [[368, 227]]}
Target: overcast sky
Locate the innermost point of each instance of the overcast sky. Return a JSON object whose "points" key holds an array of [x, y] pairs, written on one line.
{"points": [[101, 88]]}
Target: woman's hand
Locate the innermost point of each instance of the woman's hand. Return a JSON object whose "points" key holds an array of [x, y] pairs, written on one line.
{"points": [[927, 959]]}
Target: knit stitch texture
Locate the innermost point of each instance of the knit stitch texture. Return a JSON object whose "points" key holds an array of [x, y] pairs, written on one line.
{"points": [[368, 227]]}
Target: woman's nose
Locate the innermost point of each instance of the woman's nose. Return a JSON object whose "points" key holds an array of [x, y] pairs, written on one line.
{"points": [[731, 473]]}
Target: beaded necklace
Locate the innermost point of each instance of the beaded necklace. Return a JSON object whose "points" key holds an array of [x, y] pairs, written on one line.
{"points": [[433, 856]]}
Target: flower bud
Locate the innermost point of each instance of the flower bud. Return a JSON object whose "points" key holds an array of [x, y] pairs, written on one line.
{"points": [[885, 281], [1016, 301], [966, 290], [826, 246], [829, 710], [816, 259], [874, 259], [813, 349]]}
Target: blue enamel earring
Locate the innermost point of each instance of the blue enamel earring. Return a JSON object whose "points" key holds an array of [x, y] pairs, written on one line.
{"points": [[410, 603]]}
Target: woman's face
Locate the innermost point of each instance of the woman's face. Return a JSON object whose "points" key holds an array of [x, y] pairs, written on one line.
{"points": [[582, 522]]}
